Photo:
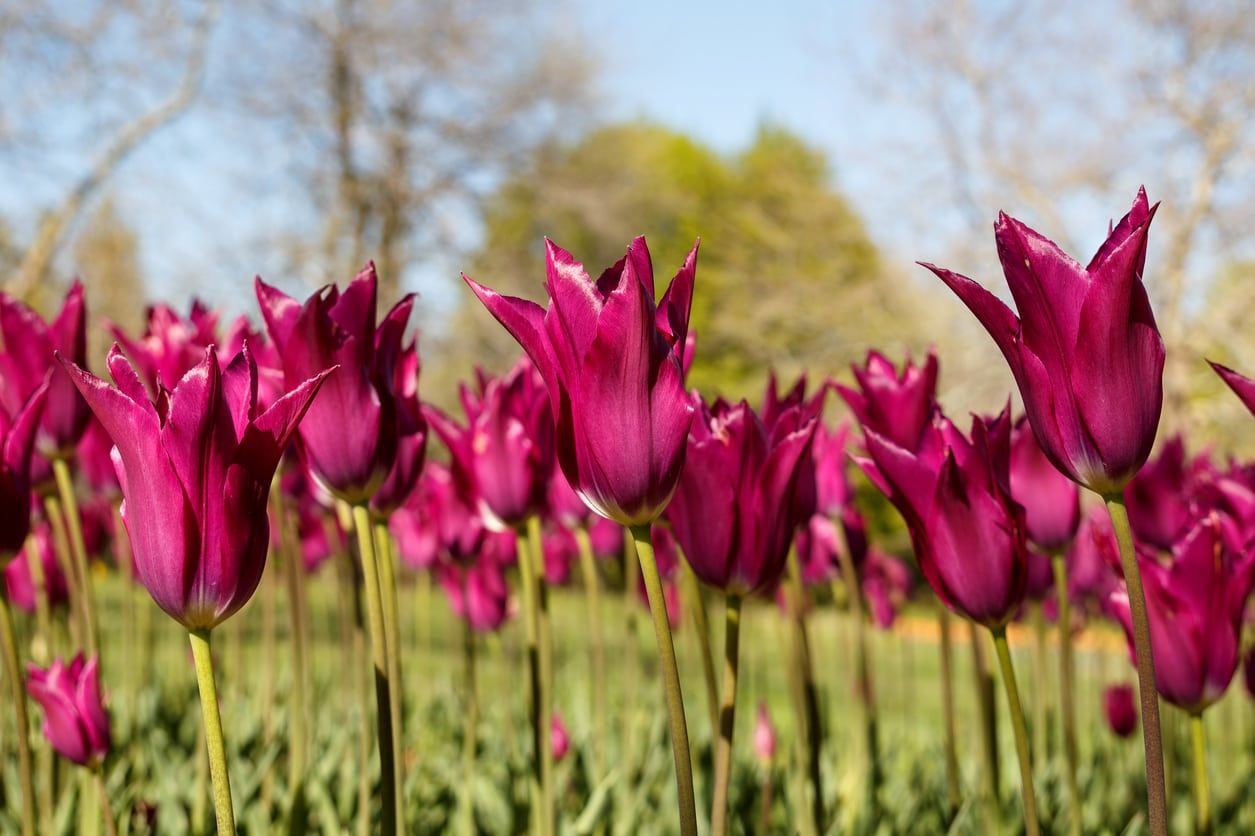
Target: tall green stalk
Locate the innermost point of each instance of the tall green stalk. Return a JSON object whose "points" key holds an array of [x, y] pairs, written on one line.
{"points": [[1020, 728], [294, 574], [696, 605], [1152, 736], [215, 744], [527, 586], [670, 679], [866, 689], [386, 561], [13, 672], [983, 681], [65, 562], [808, 692], [1067, 704], [727, 715], [111, 824], [1202, 790], [78, 550], [544, 641], [597, 650], [469, 731], [390, 789], [954, 794]]}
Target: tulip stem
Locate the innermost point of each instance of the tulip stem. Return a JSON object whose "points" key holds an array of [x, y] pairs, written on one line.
{"points": [[727, 716], [1067, 705], [1152, 736], [527, 586], [389, 787], [866, 692], [812, 733], [215, 745], [13, 672], [111, 825], [696, 605], [670, 678], [471, 715], [544, 642], [954, 795], [78, 549], [1020, 728], [386, 561], [1202, 791], [65, 562], [597, 652], [294, 574]]}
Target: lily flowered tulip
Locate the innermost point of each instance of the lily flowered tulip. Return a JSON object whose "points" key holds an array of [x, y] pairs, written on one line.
{"points": [[734, 510], [612, 362], [407, 467], [954, 493], [75, 720], [1084, 349], [1119, 705], [896, 406], [1241, 385], [1052, 502], [1195, 605], [196, 469], [477, 593], [27, 345], [17, 445], [171, 343], [1160, 498], [350, 435]]}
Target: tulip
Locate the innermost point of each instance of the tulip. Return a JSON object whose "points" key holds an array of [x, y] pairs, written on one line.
{"points": [[1119, 704], [764, 736], [20, 581], [887, 584], [560, 739], [612, 363], [477, 593], [171, 344], [1242, 386], [196, 470], [606, 537], [561, 551], [1159, 498], [896, 406], [75, 720], [411, 440], [1052, 502]]}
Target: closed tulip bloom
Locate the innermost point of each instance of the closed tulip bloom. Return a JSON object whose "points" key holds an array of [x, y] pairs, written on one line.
{"points": [[1195, 605], [1119, 705], [411, 439], [954, 493], [1052, 502], [75, 720], [896, 406], [764, 736], [777, 406], [734, 510], [351, 433], [1159, 497], [196, 469], [17, 445], [1241, 385], [1084, 350], [612, 363], [561, 551], [834, 491], [559, 739], [887, 583], [477, 593], [171, 344], [17, 575], [27, 346]]}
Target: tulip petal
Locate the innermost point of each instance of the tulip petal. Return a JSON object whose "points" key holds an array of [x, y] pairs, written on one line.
{"points": [[1241, 385], [1047, 284], [525, 320], [574, 309], [999, 320], [676, 306], [278, 310], [266, 438], [354, 312], [91, 706]]}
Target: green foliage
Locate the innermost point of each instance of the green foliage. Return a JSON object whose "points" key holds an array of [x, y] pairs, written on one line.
{"points": [[787, 276]]}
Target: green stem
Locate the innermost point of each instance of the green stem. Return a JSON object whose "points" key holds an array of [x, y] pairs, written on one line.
{"points": [[866, 692], [1020, 728], [727, 716], [392, 633], [1152, 736], [544, 641], [527, 586], [1067, 704], [469, 731], [696, 605], [670, 679], [65, 562], [988, 727], [597, 652], [215, 745], [78, 549], [1041, 705], [1202, 791], [13, 672], [294, 574], [632, 666], [954, 794], [111, 824], [808, 692], [43, 620], [389, 789]]}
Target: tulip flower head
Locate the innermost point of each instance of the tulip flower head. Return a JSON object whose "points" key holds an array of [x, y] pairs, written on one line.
{"points": [[1084, 349], [734, 511], [954, 493], [887, 583], [196, 469], [411, 452], [559, 739], [897, 406], [1195, 606], [171, 343], [612, 362], [1119, 705], [17, 445], [1160, 498], [1052, 502], [75, 720], [1241, 385], [477, 593], [21, 585], [350, 435]]}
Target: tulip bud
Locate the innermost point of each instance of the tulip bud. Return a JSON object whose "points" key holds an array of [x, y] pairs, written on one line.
{"points": [[1119, 705], [75, 720]]}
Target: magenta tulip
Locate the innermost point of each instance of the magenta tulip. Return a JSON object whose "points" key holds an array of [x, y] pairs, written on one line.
{"points": [[17, 575], [1160, 498], [1052, 502], [197, 466], [1195, 606], [1093, 561], [1084, 350], [477, 593], [734, 510], [27, 346], [612, 362], [411, 453], [1241, 385], [561, 551], [350, 434], [171, 344], [1119, 705], [953, 492], [75, 720], [607, 538], [897, 407], [17, 445], [887, 583]]}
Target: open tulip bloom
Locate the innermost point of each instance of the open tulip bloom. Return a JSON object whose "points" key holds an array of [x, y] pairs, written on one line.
{"points": [[196, 465], [895, 405]]}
